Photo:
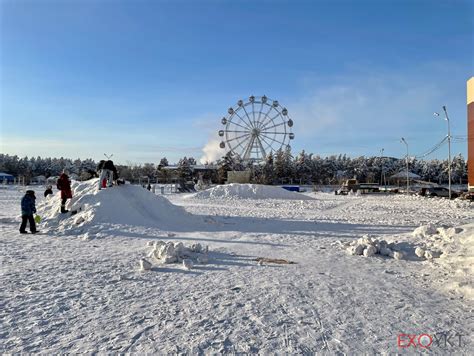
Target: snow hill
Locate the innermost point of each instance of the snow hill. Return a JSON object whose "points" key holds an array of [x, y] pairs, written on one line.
{"points": [[458, 256], [123, 205], [249, 191]]}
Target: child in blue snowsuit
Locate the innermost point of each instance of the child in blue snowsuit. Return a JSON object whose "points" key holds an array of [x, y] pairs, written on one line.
{"points": [[27, 210]]}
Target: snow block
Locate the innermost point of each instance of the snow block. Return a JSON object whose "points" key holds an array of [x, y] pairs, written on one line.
{"points": [[425, 231], [429, 255], [449, 232], [79, 220], [356, 250], [369, 251], [177, 252], [398, 255], [420, 252], [145, 265], [188, 263]]}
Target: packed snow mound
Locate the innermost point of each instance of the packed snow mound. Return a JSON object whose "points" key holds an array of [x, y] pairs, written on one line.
{"points": [[124, 205], [456, 245], [249, 191], [430, 242], [448, 248], [175, 252]]}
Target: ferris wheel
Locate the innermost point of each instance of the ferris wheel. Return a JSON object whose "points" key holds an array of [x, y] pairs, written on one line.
{"points": [[255, 128]]}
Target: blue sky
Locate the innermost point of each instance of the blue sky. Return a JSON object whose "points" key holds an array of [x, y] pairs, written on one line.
{"points": [[148, 79]]}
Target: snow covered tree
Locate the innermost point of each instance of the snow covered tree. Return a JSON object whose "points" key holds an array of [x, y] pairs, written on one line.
{"points": [[148, 170], [89, 166], [163, 163], [268, 175], [184, 169], [458, 169], [289, 163], [131, 172], [360, 168], [279, 166], [239, 164], [303, 168], [225, 165], [442, 170]]}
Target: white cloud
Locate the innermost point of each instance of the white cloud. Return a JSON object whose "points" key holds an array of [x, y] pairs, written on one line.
{"points": [[372, 109]]}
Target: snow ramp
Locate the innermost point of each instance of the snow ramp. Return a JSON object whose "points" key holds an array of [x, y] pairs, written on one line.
{"points": [[119, 205], [249, 191]]}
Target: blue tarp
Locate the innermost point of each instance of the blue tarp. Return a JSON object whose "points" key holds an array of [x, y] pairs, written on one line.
{"points": [[291, 188]]}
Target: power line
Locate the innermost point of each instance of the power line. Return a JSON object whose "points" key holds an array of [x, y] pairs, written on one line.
{"points": [[433, 149]]}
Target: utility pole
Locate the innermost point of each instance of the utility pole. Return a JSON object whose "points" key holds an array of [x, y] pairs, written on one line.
{"points": [[446, 117], [381, 167], [408, 177]]}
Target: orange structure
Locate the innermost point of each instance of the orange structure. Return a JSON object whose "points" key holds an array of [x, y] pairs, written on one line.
{"points": [[470, 133]]}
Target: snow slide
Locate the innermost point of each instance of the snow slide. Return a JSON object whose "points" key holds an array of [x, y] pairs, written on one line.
{"points": [[118, 205]]}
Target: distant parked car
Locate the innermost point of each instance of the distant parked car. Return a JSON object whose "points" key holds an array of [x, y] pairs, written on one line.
{"points": [[440, 192]]}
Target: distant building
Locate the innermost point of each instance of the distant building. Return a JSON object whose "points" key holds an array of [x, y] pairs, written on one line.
{"points": [[470, 133], [39, 179], [6, 178], [207, 171], [242, 177], [401, 177]]}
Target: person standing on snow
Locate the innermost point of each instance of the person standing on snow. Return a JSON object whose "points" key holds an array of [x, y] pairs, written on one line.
{"points": [[102, 173], [28, 208], [111, 172], [64, 185], [108, 173]]}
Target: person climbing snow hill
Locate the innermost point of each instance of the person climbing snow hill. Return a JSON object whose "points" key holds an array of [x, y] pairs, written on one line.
{"points": [[48, 191], [102, 174], [28, 208], [107, 174], [112, 177], [64, 185]]}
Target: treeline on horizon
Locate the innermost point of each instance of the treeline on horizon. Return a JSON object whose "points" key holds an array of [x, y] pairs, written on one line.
{"points": [[279, 168]]}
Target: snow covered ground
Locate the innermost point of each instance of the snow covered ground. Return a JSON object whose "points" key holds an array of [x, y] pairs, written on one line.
{"points": [[77, 287]]}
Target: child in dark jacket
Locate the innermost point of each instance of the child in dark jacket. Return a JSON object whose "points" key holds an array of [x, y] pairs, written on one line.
{"points": [[48, 191], [28, 208]]}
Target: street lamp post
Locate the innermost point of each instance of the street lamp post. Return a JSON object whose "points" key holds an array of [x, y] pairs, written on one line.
{"points": [[408, 178], [381, 167], [446, 117]]}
